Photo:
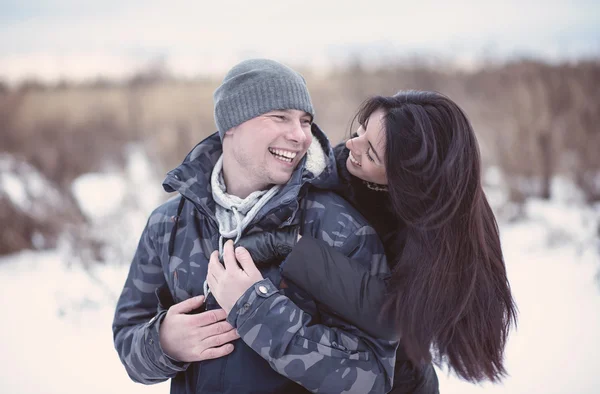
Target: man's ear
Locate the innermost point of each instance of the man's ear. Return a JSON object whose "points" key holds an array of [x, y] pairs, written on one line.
{"points": [[230, 131]]}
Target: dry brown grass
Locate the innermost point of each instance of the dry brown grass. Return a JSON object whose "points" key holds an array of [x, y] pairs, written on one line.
{"points": [[532, 119]]}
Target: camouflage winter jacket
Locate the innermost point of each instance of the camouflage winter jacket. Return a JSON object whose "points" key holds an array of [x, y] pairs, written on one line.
{"points": [[287, 337]]}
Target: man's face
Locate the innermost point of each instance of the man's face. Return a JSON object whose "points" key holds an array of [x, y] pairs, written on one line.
{"points": [[267, 149]]}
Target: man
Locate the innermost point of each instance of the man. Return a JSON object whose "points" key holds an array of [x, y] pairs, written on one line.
{"points": [[266, 168]]}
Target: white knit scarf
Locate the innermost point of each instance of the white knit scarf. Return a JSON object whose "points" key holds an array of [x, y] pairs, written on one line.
{"points": [[233, 213]]}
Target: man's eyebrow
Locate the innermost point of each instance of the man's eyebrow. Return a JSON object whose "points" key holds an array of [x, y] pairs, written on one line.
{"points": [[305, 114], [289, 111], [374, 152]]}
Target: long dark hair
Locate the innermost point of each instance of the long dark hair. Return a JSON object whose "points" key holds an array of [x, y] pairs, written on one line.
{"points": [[449, 291]]}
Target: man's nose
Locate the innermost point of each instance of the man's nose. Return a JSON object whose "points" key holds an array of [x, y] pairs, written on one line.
{"points": [[297, 132]]}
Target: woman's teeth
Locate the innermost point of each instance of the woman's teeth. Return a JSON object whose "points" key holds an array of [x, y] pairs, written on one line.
{"points": [[353, 160], [283, 155]]}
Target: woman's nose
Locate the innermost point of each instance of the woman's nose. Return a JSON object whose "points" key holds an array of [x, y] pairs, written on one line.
{"points": [[353, 145]]}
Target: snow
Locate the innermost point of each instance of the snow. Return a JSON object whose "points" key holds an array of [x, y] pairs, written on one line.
{"points": [[117, 205], [104, 195], [99, 195], [25, 187], [147, 191], [553, 348], [58, 336], [15, 190], [56, 333]]}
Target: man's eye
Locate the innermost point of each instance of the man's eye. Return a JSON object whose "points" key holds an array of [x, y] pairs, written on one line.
{"points": [[278, 117], [307, 122]]}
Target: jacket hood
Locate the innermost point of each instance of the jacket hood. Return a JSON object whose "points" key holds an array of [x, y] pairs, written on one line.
{"points": [[192, 177]]}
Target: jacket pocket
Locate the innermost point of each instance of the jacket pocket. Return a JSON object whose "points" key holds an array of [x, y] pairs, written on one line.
{"points": [[164, 297], [335, 349]]}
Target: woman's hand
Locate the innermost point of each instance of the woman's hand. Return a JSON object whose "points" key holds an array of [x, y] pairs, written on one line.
{"points": [[270, 247], [229, 282]]}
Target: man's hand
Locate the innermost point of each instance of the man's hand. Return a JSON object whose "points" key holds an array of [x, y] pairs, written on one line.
{"points": [[198, 337], [229, 283]]}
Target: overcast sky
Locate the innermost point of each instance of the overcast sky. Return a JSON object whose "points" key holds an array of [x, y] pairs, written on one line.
{"points": [[81, 39]]}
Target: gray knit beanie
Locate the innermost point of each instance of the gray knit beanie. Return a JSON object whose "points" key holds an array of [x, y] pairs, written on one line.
{"points": [[255, 87]]}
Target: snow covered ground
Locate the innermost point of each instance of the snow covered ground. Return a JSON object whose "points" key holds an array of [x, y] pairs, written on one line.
{"points": [[55, 333], [555, 347]]}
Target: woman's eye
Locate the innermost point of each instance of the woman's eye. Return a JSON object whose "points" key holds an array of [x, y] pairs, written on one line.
{"points": [[369, 157]]}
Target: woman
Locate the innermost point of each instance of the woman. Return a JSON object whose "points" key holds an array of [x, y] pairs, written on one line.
{"points": [[413, 170]]}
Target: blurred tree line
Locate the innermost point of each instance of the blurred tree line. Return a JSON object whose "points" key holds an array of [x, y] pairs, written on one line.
{"points": [[534, 120]]}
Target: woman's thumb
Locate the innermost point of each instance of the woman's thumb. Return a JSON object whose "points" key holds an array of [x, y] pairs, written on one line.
{"points": [[243, 257]]}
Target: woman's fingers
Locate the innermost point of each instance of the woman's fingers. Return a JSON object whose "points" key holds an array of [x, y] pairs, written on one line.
{"points": [[215, 269], [229, 257], [245, 260]]}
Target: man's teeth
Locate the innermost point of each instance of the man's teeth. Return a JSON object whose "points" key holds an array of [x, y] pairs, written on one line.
{"points": [[284, 155]]}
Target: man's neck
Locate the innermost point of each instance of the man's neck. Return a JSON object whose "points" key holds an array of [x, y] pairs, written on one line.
{"points": [[238, 183]]}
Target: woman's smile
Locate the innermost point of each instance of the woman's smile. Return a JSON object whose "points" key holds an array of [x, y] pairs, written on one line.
{"points": [[353, 160]]}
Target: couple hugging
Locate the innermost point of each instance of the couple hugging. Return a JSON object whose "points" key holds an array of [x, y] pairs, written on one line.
{"points": [[284, 265]]}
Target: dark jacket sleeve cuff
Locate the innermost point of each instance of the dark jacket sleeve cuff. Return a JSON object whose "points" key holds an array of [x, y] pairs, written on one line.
{"points": [[154, 349], [250, 301]]}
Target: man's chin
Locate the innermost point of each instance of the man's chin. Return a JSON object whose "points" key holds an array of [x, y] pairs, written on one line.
{"points": [[281, 179]]}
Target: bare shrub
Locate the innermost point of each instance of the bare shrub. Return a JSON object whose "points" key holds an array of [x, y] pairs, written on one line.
{"points": [[33, 211], [20, 230], [62, 154], [533, 120], [582, 130]]}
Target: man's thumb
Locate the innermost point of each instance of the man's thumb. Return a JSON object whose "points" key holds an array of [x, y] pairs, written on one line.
{"points": [[188, 305], [243, 257]]}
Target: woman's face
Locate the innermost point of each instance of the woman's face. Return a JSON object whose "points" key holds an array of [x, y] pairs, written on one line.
{"points": [[367, 151]]}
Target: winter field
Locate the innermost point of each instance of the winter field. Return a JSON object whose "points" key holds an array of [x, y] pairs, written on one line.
{"points": [[56, 337]]}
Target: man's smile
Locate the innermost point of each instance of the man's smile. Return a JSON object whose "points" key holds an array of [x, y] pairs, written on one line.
{"points": [[285, 156]]}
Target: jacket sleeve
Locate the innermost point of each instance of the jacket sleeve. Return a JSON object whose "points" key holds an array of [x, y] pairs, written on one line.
{"points": [[342, 284], [329, 356], [138, 317]]}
